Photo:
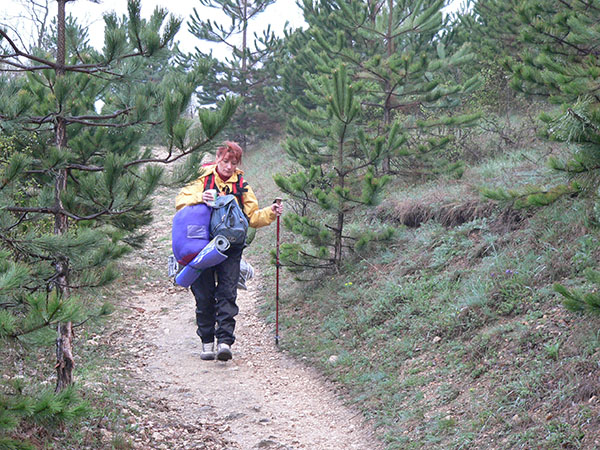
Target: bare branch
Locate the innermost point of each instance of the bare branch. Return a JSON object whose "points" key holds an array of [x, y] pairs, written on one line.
{"points": [[19, 52], [101, 117]]}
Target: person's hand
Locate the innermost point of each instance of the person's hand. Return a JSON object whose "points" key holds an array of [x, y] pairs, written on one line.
{"points": [[277, 208], [209, 196]]}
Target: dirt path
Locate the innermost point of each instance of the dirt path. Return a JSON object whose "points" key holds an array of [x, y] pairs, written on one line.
{"points": [[262, 398]]}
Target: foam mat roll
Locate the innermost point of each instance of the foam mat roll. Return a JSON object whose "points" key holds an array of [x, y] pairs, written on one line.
{"points": [[209, 256]]}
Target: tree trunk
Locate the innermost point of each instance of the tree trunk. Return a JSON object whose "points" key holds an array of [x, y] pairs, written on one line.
{"points": [[337, 256], [64, 356], [338, 239], [387, 116], [64, 352]]}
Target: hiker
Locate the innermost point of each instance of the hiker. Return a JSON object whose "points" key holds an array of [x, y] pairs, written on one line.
{"points": [[215, 289]]}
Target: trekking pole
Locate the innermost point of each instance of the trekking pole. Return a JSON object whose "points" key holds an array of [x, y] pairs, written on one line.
{"points": [[278, 201]]}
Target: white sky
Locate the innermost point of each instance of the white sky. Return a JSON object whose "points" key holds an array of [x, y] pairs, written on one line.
{"points": [[90, 14]]}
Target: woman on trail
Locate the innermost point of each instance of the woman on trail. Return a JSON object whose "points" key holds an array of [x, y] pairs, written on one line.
{"points": [[215, 289]]}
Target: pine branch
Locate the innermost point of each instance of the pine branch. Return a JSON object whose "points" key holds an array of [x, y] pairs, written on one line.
{"points": [[18, 52], [583, 120], [27, 210], [101, 117], [54, 211], [307, 265], [20, 250], [110, 124], [18, 222], [305, 198], [20, 68], [47, 322]]}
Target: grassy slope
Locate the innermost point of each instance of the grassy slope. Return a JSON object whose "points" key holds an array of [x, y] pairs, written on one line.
{"points": [[451, 337]]}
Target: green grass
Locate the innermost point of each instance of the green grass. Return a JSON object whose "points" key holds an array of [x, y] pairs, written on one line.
{"points": [[453, 337]]}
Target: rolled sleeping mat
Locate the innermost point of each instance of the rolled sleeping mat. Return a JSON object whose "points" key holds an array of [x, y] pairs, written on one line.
{"points": [[209, 256], [190, 232]]}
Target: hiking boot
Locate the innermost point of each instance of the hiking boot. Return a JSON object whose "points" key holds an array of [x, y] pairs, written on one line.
{"points": [[224, 352], [208, 351]]}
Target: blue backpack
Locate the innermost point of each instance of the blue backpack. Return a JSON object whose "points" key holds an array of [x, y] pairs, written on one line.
{"points": [[228, 220]]}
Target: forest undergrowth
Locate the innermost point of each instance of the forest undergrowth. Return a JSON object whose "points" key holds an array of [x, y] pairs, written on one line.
{"points": [[450, 335]]}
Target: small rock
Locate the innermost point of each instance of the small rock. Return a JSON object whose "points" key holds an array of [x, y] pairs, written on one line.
{"points": [[436, 339], [106, 435], [157, 436], [266, 443], [234, 416]]}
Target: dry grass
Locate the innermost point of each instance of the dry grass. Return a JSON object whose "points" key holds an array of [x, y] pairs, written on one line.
{"points": [[414, 213]]}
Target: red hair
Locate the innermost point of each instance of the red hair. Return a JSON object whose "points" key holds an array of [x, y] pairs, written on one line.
{"points": [[231, 149]]}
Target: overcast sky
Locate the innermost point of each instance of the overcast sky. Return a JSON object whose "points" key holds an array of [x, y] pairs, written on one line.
{"points": [[90, 14]]}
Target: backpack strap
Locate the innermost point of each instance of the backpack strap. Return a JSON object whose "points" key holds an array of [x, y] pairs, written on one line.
{"points": [[237, 189], [210, 181]]}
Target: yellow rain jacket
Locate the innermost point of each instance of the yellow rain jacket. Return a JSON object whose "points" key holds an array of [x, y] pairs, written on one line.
{"points": [[192, 195]]}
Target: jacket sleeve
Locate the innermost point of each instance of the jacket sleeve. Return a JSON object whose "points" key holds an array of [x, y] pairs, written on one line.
{"points": [[258, 217], [190, 194]]}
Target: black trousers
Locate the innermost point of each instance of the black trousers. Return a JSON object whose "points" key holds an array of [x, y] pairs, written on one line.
{"points": [[215, 291]]}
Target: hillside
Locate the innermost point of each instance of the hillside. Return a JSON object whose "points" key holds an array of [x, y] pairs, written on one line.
{"points": [[447, 336], [441, 191], [450, 335]]}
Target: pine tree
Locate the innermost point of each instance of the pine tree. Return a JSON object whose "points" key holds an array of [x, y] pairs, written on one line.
{"points": [[560, 63], [75, 184], [492, 27], [560, 44], [393, 47], [298, 60], [248, 73], [495, 26], [336, 177]]}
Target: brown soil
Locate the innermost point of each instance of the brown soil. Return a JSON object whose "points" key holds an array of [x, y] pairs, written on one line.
{"points": [[262, 398]]}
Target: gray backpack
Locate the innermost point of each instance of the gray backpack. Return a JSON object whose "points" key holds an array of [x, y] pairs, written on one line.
{"points": [[228, 220]]}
